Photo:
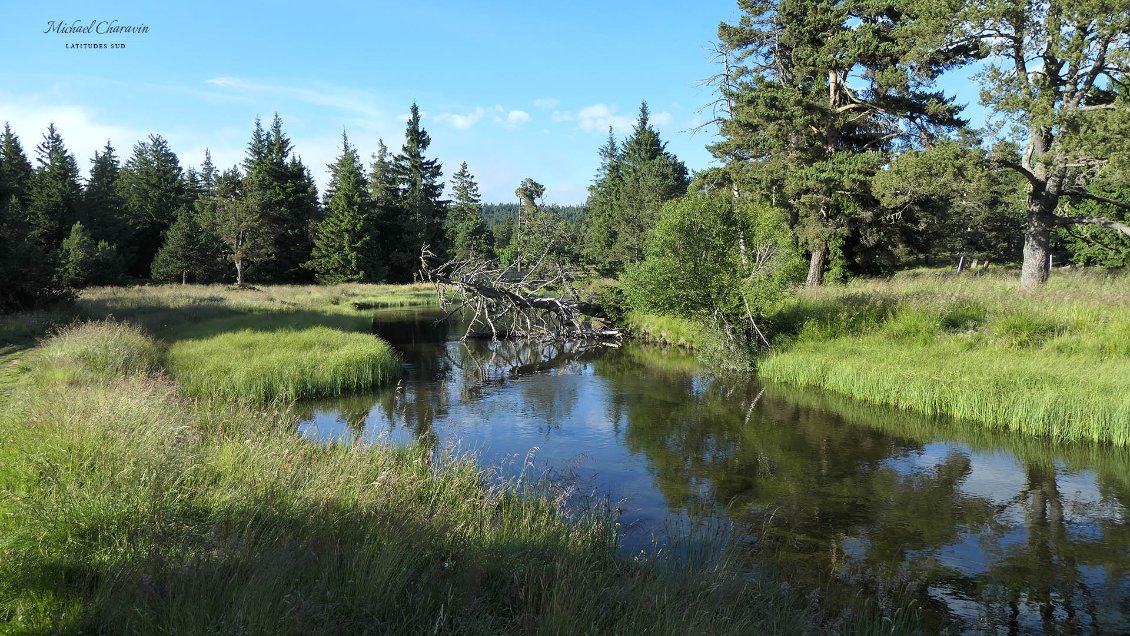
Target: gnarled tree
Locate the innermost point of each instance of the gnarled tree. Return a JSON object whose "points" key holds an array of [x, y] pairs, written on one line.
{"points": [[1057, 69]]}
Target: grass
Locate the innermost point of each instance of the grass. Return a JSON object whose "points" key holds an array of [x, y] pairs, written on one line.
{"points": [[127, 506], [287, 363], [665, 330], [1053, 362]]}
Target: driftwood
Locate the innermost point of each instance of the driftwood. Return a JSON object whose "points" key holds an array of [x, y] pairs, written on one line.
{"points": [[508, 302]]}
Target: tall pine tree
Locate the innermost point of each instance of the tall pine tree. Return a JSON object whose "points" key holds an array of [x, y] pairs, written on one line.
{"points": [[634, 182], [54, 195], [470, 237], [103, 209], [345, 246], [278, 178], [152, 186], [420, 214], [819, 95], [26, 269]]}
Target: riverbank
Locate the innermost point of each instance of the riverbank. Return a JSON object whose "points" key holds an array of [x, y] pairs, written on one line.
{"points": [[1053, 362], [133, 500]]}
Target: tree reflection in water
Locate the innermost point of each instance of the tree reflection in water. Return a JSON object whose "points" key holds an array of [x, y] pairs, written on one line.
{"points": [[999, 533]]}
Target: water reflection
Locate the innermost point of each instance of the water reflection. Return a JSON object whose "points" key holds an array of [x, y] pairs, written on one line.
{"points": [[988, 534]]}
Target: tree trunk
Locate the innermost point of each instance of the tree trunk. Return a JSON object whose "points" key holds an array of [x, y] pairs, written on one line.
{"points": [[816, 266], [1037, 241], [239, 273]]}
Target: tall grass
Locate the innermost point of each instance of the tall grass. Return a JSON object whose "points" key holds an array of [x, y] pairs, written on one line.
{"points": [[665, 330], [1054, 362], [127, 507], [287, 363]]}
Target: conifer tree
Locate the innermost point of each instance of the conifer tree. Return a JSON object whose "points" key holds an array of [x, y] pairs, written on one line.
{"points": [[192, 252], [635, 180], [103, 209], [26, 269], [84, 262], [15, 169], [345, 249], [54, 194], [279, 179], [818, 95], [470, 237], [152, 185], [419, 213]]}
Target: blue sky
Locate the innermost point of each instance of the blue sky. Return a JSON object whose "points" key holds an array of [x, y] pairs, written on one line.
{"points": [[515, 89]]}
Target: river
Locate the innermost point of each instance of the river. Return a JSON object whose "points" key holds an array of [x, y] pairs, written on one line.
{"points": [[981, 533]]}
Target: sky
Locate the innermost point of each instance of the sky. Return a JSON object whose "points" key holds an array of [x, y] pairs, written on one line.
{"points": [[515, 89]]}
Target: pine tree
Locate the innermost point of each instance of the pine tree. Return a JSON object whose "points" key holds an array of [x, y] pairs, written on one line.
{"points": [[604, 194], [344, 245], [26, 269], [819, 96], [152, 186], [84, 262], [15, 169], [286, 188], [634, 182], [470, 237], [103, 209], [420, 213], [54, 194], [192, 252]]}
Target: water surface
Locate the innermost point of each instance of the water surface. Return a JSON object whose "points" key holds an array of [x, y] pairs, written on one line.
{"points": [[987, 534]]}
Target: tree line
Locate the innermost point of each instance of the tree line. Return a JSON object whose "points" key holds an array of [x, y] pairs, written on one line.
{"points": [[838, 155]]}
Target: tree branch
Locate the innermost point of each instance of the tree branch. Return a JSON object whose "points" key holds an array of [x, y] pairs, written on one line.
{"points": [[1093, 220], [1083, 194]]}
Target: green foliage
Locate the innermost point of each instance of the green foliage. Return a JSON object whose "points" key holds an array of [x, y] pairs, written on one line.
{"points": [[192, 252], [418, 218], [83, 263], [238, 218], [284, 188], [469, 235], [710, 255], [54, 192], [635, 179], [345, 247], [815, 98], [103, 209], [152, 186]]}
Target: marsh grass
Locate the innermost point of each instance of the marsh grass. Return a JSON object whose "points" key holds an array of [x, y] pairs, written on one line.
{"points": [[287, 362], [665, 330], [128, 507], [1053, 362]]}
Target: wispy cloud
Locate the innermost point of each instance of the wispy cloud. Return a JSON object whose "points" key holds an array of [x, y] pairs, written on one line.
{"points": [[546, 102], [357, 103]]}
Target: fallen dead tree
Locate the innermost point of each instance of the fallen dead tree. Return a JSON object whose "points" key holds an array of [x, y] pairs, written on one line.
{"points": [[539, 303]]}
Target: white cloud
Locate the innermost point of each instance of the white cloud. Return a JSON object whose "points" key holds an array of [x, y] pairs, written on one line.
{"points": [[463, 122], [661, 119], [517, 117], [546, 102], [82, 132], [562, 115], [600, 117]]}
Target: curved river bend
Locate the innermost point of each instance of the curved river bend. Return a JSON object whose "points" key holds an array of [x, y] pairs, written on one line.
{"points": [[988, 534]]}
